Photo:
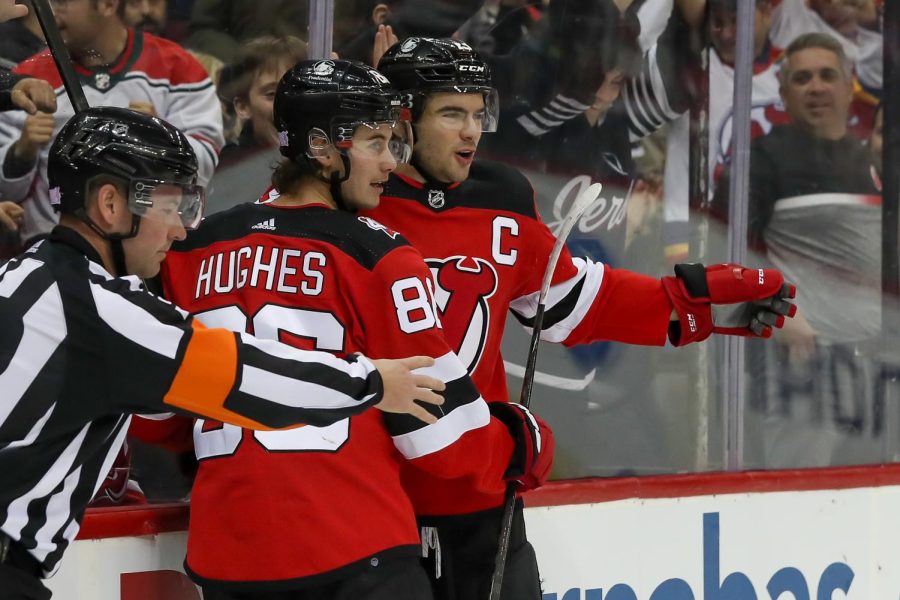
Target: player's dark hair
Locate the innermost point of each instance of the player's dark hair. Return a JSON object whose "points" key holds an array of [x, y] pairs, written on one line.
{"points": [[288, 174]]}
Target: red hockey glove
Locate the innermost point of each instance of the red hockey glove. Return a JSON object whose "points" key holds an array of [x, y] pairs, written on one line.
{"points": [[758, 296], [533, 454]]}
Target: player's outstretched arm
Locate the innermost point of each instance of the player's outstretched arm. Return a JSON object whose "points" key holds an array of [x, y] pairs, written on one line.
{"points": [[402, 387]]}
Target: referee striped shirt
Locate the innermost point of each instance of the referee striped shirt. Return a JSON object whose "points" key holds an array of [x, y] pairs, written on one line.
{"points": [[81, 349]]}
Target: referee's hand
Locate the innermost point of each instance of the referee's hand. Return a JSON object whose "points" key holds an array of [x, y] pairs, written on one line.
{"points": [[402, 387]]}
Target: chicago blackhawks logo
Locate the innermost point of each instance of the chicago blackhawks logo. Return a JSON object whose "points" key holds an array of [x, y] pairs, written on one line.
{"points": [[464, 285]]}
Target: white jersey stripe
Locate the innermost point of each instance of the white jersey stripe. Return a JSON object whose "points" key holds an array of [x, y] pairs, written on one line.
{"points": [[446, 368], [593, 279], [44, 330], [132, 322], [17, 512], [590, 274], [833, 199], [530, 126], [361, 368], [527, 305], [35, 431], [448, 429], [13, 279], [57, 514], [292, 392]]}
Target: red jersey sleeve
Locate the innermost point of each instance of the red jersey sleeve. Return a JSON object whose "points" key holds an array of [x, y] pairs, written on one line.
{"points": [[589, 301], [465, 441]]}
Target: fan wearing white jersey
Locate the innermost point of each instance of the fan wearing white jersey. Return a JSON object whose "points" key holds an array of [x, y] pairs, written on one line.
{"points": [[116, 66]]}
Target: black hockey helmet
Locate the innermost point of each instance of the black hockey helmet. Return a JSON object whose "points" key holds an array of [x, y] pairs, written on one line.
{"points": [[419, 66], [331, 98], [143, 152]]}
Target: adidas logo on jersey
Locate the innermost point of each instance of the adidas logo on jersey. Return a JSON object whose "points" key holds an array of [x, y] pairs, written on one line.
{"points": [[268, 225]]}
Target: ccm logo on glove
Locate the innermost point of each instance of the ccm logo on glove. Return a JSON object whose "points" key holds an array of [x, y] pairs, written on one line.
{"points": [[757, 304]]}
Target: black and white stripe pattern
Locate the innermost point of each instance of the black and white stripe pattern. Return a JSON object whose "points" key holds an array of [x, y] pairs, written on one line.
{"points": [[645, 99], [560, 109], [464, 410], [567, 302], [80, 349]]}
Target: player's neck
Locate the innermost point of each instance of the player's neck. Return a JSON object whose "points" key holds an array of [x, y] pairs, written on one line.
{"points": [[410, 172], [309, 191]]}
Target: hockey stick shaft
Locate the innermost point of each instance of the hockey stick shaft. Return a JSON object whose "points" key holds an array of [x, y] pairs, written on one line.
{"points": [[60, 55], [584, 200]]}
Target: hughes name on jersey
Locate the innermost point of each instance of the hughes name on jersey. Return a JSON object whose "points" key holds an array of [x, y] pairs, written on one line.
{"points": [[80, 349], [316, 502]]}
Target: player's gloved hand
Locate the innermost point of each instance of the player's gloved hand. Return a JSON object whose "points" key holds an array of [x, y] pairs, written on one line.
{"points": [[758, 297], [533, 454]]}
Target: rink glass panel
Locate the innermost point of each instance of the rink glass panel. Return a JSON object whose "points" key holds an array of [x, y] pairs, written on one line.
{"points": [[621, 410]]}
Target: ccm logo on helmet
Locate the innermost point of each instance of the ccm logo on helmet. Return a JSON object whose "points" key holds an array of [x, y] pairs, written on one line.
{"points": [[472, 68]]}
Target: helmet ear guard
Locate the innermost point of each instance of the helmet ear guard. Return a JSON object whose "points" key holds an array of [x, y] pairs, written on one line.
{"points": [[317, 143], [328, 100]]}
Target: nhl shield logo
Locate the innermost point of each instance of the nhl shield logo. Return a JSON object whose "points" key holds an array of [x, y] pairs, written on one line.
{"points": [[435, 198], [102, 81], [120, 129]]}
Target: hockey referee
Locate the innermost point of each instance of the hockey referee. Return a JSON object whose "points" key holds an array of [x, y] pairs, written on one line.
{"points": [[84, 344]]}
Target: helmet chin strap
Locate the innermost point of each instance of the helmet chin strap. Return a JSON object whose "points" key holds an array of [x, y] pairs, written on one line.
{"points": [[335, 181]]}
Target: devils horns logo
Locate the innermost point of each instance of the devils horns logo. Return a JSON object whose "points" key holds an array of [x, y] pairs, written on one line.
{"points": [[464, 285]]}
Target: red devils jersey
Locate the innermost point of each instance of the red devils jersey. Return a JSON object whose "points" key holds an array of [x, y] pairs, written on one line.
{"points": [[487, 249], [283, 508]]}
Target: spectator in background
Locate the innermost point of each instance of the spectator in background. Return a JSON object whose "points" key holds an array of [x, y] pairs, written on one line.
{"points": [[499, 25], [247, 89], [11, 216], [253, 79], [220, 27], [768, 111], [30, 95], [815, 211], [841, 19], [119, 67], [10, 10], [148, 15], [20, 38], [721, 29], [433, 18], [355, 24]]}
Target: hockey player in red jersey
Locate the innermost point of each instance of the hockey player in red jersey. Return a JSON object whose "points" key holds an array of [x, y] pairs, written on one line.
{"points": [[488, 259], [321, 513]]}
